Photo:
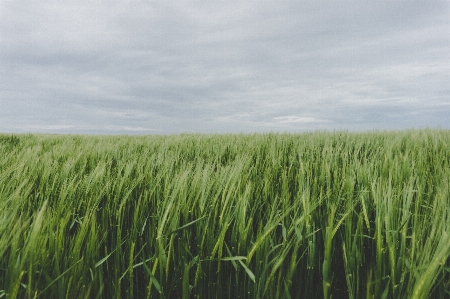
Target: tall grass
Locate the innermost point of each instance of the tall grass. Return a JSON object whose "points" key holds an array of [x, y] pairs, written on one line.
{"points": [[314, 215]]}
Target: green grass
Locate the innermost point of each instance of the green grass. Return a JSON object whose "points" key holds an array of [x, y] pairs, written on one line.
{"points": [[314, 215]]}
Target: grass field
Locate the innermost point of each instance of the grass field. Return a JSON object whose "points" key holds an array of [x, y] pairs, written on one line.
{"points": [[314, 215]]}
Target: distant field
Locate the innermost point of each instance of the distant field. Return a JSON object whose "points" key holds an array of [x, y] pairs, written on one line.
{"points": [[314, 215]]}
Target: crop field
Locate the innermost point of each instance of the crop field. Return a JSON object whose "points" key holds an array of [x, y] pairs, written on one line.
{"points": [[312, 215]]}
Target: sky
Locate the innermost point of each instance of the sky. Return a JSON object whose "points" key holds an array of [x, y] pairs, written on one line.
{"points": [[169, 67]]}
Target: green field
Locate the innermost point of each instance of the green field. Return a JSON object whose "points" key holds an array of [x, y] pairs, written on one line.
{"points": [[313, 215]]}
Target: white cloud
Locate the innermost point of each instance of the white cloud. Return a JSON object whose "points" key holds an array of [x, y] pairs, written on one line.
{"points": [[293, 119], [129, 129], [48, 127]]}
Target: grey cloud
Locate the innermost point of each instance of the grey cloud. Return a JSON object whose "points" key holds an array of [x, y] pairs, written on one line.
{"points": [[175, 66]]}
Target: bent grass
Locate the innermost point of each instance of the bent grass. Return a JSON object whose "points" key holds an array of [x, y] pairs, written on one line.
{"points": [[314, 215]]}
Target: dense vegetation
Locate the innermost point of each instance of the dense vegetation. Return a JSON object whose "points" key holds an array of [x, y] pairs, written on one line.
{"points": [[314, 215]]}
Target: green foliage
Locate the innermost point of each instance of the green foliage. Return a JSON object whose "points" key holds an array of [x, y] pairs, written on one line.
{"points": [[314, 215]]}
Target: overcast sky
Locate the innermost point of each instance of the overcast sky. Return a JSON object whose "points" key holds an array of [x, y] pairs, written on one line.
{"points": [[163, 67]]}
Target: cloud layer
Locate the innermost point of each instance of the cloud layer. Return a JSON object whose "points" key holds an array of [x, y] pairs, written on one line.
{"points": [[161, 67]]}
